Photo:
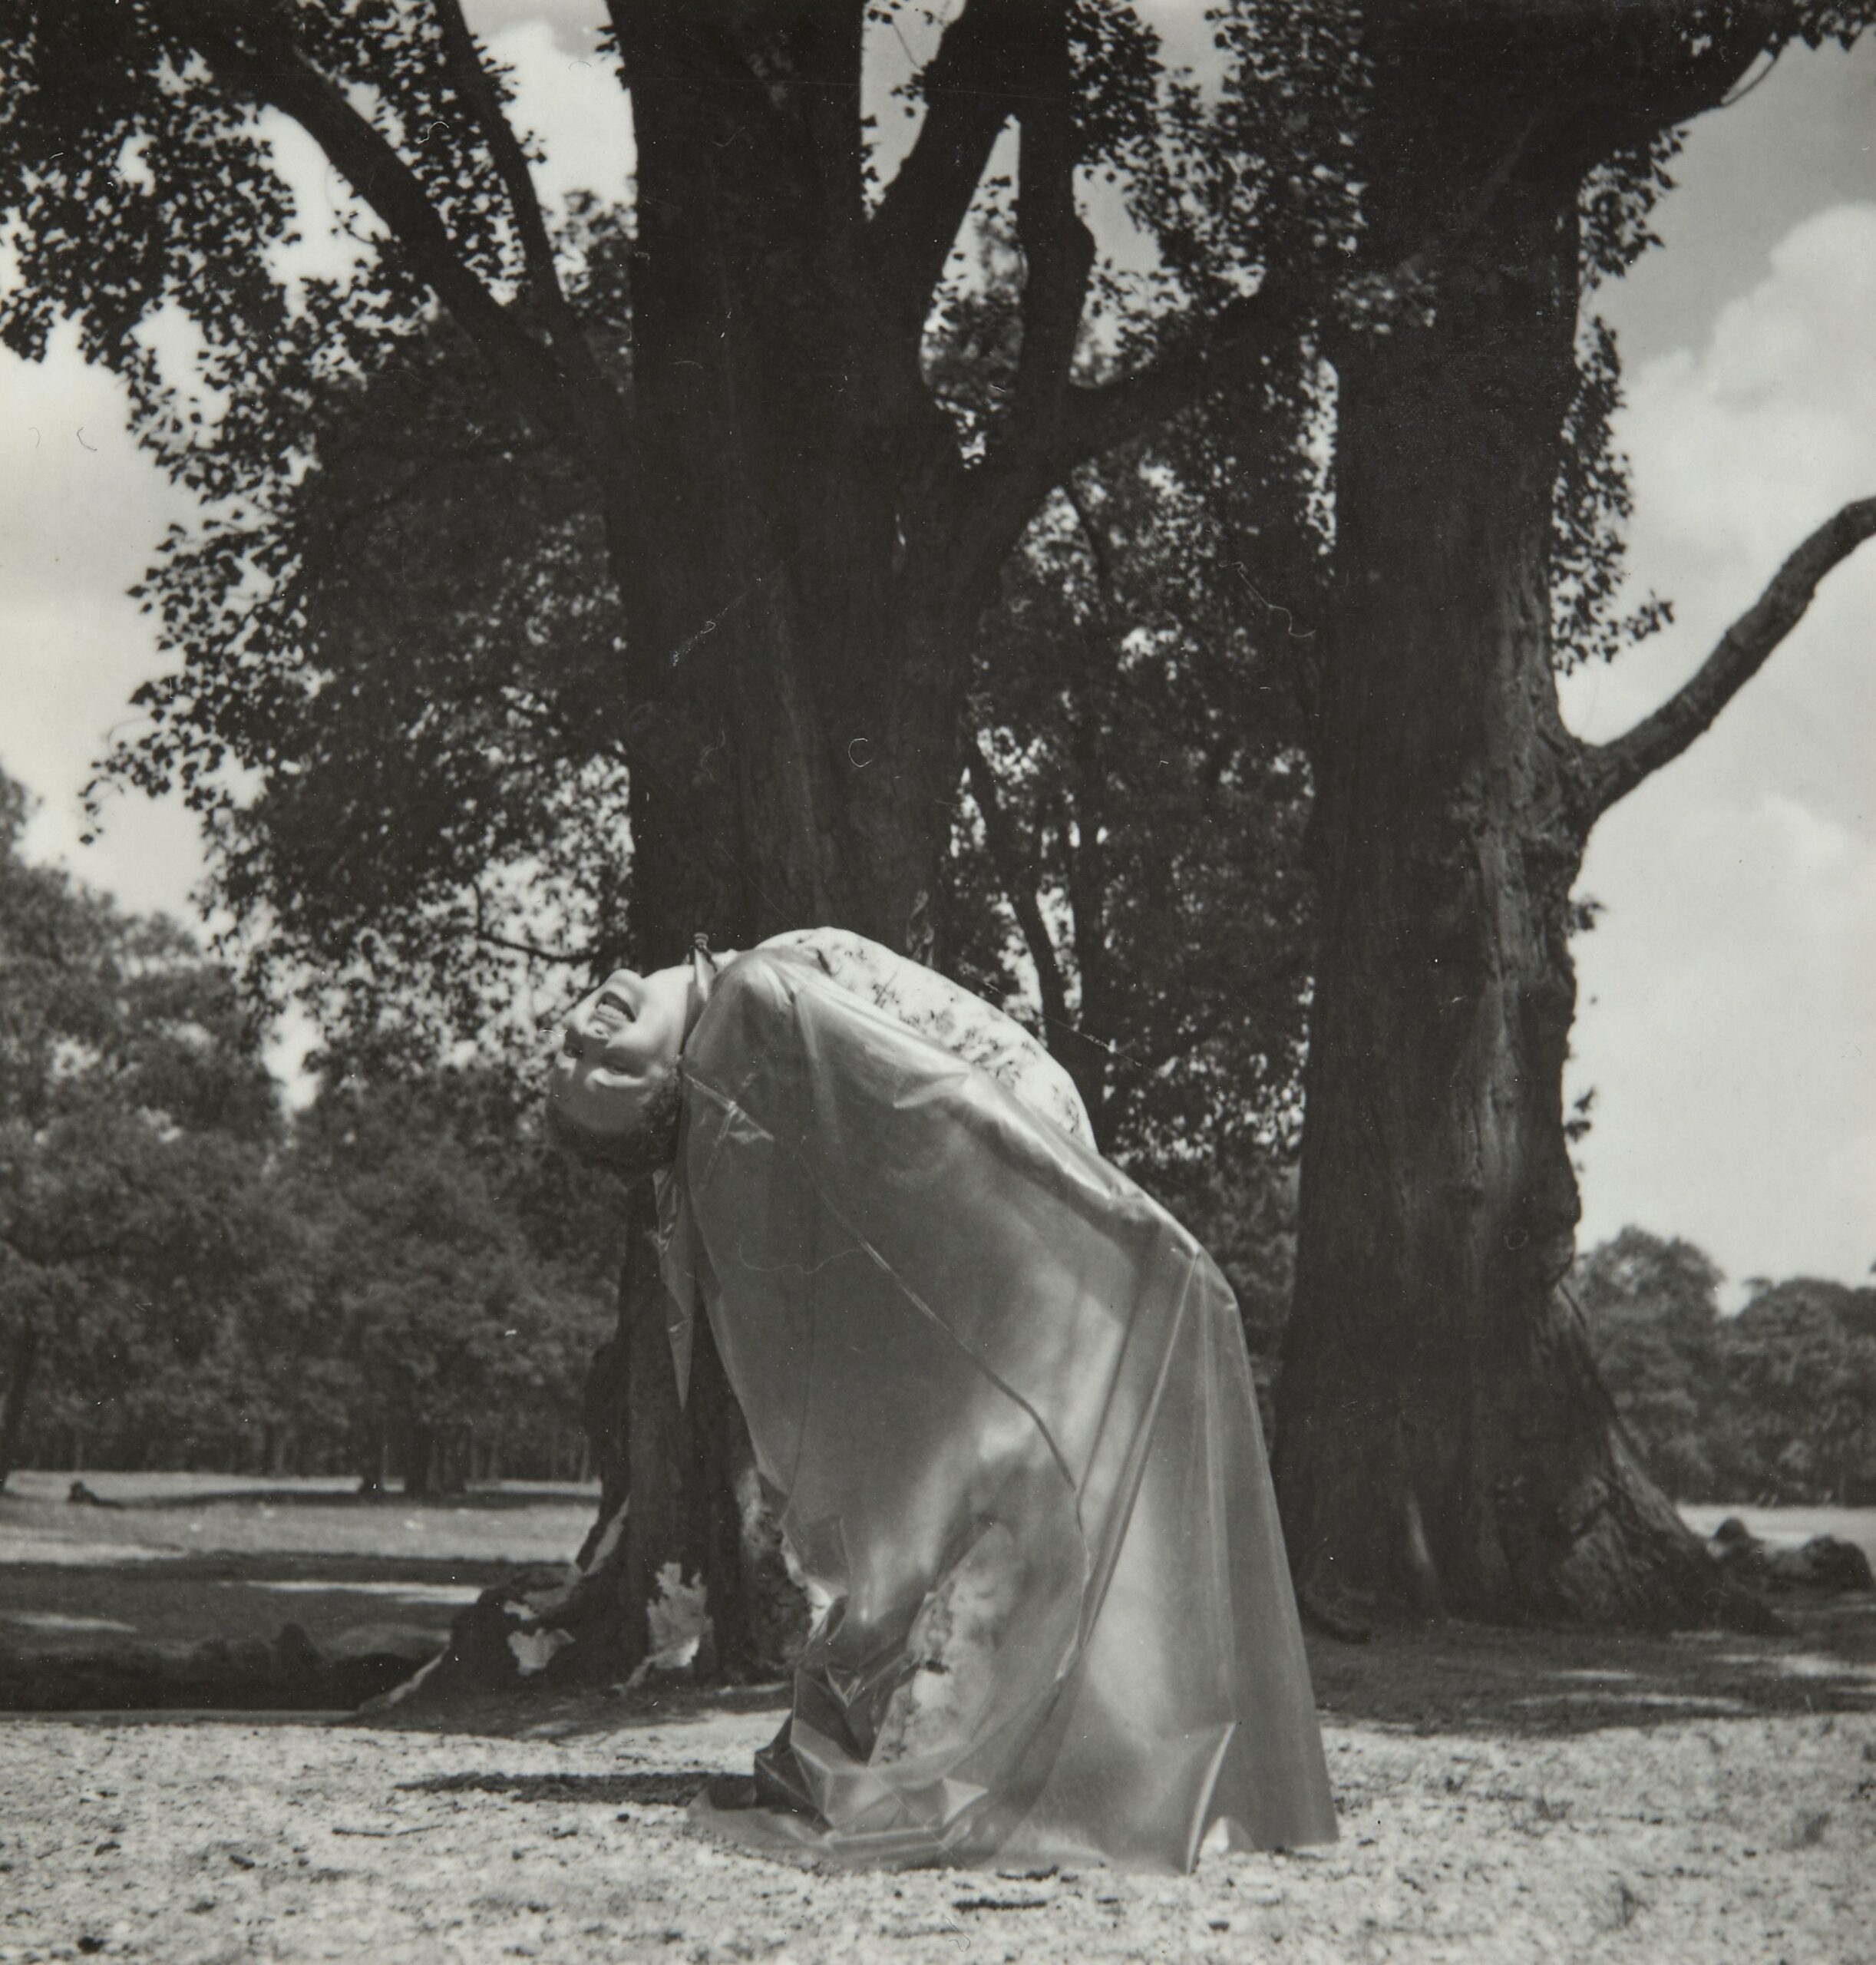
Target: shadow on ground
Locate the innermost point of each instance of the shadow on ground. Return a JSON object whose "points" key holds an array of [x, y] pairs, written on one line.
{"points": [[185, 1598], [1435, 1679], [143, 1628], [673, 1789], [481, 1500], [1459, 1677], [278, 1633]]}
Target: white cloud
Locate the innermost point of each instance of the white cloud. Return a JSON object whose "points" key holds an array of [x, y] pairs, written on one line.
{"points": [[1728, 1021], [81, 511]]}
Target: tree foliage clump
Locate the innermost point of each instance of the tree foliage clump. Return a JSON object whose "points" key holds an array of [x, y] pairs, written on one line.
{"points": [[458, 1280], [1776, 1405], [189, 1276], [409, 641], [136, 1115]]}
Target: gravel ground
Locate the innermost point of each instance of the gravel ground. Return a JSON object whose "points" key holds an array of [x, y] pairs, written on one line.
{"points": [[1749, 1839]]}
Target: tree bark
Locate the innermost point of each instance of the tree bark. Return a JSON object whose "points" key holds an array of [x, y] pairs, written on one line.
{"points": [[796, 621], [417, 1445], [22, 1353], [1443, 1442]]}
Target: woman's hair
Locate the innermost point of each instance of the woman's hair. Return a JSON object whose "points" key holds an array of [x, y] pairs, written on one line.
{"points": [[643, 1149]]}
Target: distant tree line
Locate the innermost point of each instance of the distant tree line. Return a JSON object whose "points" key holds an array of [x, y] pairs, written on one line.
{"points": [[393, 1281], [1776, 1405]]}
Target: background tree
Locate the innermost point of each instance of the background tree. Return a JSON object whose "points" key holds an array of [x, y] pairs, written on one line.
{"points": [[1138, 790], [1799, 1370], [192, 1279], [455, 1328], [1442, 1441], [1652, 1308], [136, 1115], [1772, 1405], [1127, 867]]}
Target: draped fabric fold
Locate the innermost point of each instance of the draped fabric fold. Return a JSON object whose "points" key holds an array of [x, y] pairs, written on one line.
{"points": [[1000, 1401]]}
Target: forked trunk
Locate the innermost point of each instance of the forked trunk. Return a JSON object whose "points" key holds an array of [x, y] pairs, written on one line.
{"points": [[797, 666], [1443, 1442], [761, 803]]}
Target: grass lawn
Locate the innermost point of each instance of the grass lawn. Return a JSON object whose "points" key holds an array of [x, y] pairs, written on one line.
{"points": [[182, 1557]]}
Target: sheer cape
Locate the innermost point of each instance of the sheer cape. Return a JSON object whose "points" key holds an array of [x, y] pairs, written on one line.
{"points": [[1000, 1403]]}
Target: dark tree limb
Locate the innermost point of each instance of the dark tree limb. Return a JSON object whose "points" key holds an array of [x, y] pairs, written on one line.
{"points": [[1057, 248], [1010, 860], [1089, 727], [1242, 338], [475, 83], [1616, 767], [972, 86], [1096, 541], [1649, 73], [477, 87], [567, 958], [1232, 348]]}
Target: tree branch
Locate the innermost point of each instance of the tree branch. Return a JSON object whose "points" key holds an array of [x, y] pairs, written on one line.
{"points": [[971, 87], [1007, 857], [1007, 488], [1616, 767], [1234, 346], [488, 937], [1194, 1033], [1646, 77], [1243, 336], [561, 956], [1096, 541], [1057, 248], [250, 55], [477, 87]]}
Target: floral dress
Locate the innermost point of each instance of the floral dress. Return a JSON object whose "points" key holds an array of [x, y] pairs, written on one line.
{"points": [[948, 1014]]}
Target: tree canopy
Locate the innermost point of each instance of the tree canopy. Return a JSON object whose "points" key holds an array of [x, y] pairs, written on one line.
{"points": [[844, 505]]}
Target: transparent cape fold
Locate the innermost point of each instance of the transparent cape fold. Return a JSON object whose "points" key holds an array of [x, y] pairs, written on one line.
{"points": [[1001, 1401]]}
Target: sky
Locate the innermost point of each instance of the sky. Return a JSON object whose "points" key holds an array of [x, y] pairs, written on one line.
{"points": [[1728, 995]]}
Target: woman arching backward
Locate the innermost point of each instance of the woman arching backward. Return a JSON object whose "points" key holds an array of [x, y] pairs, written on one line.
{"points": [[1000, 1402]]}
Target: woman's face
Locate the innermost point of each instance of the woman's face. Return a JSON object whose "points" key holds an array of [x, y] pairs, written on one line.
{"points": [[620, 1047]]}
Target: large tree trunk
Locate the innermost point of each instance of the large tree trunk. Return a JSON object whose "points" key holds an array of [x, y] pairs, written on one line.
{"points": [[797, 627], [1443, 1442], [797, 652]]}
